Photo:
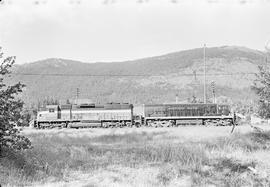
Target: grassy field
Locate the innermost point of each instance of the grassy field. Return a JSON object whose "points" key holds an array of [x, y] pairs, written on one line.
{"points": [[183, 156]]}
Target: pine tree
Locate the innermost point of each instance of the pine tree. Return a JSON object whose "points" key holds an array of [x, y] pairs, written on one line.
{"points": [[261, 87], [10, 109]]}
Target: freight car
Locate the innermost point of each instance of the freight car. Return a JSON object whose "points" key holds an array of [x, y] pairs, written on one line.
{"points": [[85, 115], [119, 115]]}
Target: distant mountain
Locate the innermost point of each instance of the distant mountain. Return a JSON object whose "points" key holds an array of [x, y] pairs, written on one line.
{"points": [[148, 80]]}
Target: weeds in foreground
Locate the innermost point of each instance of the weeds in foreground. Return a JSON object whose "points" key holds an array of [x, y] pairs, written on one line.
{"points": [[55, 156]]}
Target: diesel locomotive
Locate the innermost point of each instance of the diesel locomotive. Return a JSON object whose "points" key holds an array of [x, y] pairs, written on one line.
{"points": [[181, 114], [125, 114], [85, 115]]}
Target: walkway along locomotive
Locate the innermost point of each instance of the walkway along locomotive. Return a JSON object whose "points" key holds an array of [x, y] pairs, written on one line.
{"points": [[120, 115]]}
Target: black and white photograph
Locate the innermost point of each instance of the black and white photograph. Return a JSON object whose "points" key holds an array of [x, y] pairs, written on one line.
{"points": [[134, 93]]}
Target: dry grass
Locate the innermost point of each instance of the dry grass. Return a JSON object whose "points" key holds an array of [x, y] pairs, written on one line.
{"points": [[183, 156]]}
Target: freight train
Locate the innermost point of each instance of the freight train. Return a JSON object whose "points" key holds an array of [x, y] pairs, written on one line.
{"points": [[120, 115]]}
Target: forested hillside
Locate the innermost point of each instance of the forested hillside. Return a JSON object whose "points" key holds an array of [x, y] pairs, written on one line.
{"points": [[149, 80]]}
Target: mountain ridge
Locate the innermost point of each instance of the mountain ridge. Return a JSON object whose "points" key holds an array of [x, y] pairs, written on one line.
{"points": [[239, 48], [154, 79]]}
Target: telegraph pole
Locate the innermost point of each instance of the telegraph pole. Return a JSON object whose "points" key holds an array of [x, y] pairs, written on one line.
{"points": [[213, 91], [77, 95], [204, 85]]}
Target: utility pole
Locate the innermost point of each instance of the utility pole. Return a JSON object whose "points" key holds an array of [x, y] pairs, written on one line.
{"points": [[195, 75], [77, 95], [204, 85], [213, 91]]}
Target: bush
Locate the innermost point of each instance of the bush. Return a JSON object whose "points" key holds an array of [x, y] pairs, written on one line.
{"points": [[10, 110]]}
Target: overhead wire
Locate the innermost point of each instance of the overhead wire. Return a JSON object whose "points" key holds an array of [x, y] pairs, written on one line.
{"points": [[128, 75]]}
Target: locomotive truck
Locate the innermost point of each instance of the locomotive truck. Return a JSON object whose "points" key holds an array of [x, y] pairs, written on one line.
{"points": [[125, 114]]}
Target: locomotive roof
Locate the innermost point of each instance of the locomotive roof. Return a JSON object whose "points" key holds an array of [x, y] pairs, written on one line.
{"points": [[51, 106], [180, 104]]}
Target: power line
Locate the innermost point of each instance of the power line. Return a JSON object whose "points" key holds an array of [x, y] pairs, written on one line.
{"points": [[128, 75]]}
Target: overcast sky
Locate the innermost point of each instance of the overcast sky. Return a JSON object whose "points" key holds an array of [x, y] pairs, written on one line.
{"points": [[117, 30]]}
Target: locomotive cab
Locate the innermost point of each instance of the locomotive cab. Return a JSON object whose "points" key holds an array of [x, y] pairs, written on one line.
{"points": [[50, 113]]}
